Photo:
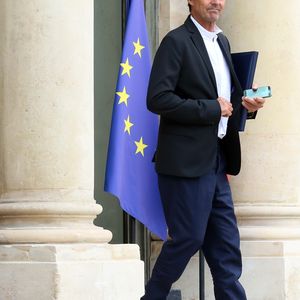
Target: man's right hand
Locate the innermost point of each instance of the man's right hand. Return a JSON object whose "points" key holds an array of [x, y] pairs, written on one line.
{"points": [[226, 107]]}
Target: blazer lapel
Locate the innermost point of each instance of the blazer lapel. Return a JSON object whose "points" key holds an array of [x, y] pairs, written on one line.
{"points": [[199, 43]]}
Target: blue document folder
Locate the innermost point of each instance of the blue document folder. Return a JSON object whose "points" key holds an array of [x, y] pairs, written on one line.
{"points": [[244, 65]]}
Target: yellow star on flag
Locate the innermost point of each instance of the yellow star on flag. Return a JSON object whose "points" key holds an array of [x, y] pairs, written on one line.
{"points": [[140, 146], [128, 125], [123, 96], [138, 48], [126, 68]]}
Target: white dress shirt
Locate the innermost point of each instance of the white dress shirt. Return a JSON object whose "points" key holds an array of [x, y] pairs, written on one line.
{"points": [[220, 68]]}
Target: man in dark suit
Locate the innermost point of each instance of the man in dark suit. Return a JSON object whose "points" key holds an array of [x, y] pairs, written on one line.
{"points": [[194, 89]]}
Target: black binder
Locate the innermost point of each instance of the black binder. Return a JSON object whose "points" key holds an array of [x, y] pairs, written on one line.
{"points": [[244, 65]]}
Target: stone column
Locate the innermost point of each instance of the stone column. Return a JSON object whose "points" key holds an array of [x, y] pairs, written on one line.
{"points": [[267, 191], [49, 247]]}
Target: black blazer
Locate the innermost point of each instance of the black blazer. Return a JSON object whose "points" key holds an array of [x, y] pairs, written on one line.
{"points": [[183, 91]]}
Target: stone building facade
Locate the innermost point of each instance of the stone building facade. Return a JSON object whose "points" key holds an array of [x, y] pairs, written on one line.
{"points": [[49, 247]]}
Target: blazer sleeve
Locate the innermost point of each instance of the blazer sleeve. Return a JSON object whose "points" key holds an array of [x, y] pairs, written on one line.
{"points": [[162, 98]]}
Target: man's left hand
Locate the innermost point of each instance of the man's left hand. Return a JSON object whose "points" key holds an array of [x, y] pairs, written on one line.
{"points": [[253, 104]]}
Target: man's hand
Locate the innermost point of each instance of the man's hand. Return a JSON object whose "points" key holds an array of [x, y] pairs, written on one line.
{"points": [[253, 104], [226, 107]]}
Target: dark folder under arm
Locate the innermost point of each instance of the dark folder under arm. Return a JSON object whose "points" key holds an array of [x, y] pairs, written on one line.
{"points": [[244, 65]]}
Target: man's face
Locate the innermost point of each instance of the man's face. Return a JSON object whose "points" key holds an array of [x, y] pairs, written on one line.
{"points": [[206, 12]]}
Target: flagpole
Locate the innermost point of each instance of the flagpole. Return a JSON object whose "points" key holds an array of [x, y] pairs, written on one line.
{"points": [[201, 276], [127, 234]]}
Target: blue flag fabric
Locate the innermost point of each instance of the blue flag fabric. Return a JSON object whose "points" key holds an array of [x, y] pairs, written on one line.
{"points": [[130, 173]]}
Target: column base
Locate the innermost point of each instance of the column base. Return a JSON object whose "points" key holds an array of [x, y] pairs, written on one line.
{"points": [[71, 271], [50, 222]]}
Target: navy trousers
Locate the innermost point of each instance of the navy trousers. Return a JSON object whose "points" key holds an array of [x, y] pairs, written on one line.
{"points": [[199, 214]]}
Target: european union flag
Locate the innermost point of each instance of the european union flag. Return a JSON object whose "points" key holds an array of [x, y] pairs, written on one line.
{"points": [[130, 173]]}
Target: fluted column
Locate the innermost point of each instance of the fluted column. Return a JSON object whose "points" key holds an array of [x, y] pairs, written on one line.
{"points": [[47, 206]]}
